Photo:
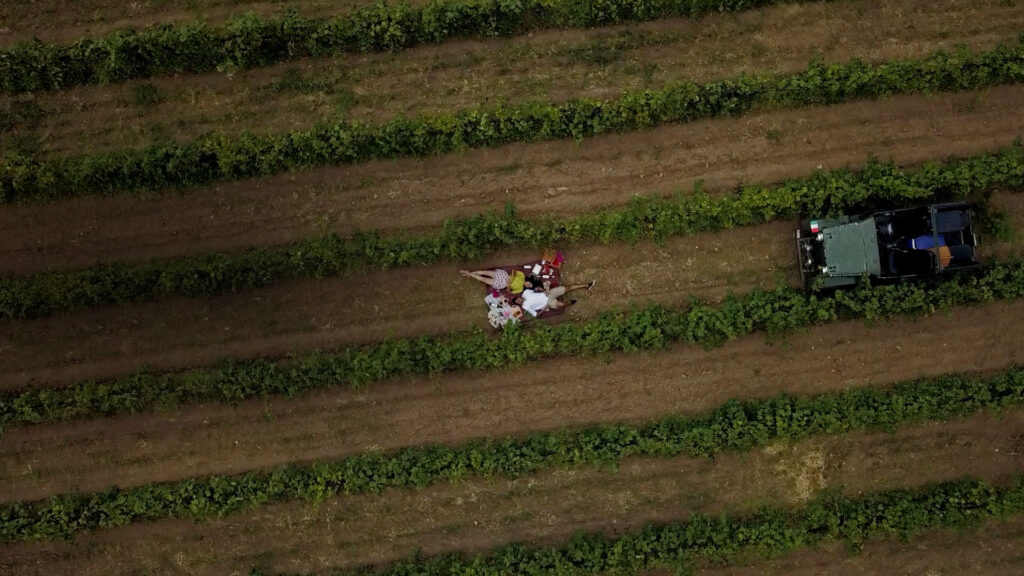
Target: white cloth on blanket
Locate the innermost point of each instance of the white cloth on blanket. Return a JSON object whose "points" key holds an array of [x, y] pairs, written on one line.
{"points": [[499, 311]]}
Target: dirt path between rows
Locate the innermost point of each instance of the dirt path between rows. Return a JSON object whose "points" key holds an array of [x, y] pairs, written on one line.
{"points": [[558, 178], [200, 440], [545, 65], [994, 549], [545, 508], [296, 316]]}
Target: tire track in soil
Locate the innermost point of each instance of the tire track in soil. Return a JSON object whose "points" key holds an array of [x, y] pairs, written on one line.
{"points": [[558, 178], [37, 461], [478, 515]]}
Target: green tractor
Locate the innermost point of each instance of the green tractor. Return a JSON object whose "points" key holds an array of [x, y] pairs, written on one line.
{"points": [[905, 243]]}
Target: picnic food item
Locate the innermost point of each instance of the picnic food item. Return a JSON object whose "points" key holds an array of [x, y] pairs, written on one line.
{"points": [[552, 258]]}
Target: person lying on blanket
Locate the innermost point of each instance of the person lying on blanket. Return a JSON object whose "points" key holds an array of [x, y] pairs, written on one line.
{"points": [[534, 302], [498, 279]]}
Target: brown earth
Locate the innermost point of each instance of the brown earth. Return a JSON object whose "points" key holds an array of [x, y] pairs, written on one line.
{"points": [[296, 316], [199, 440], [62, 21], [546, 508], [557, 178], [547, 65], [550, 178], [303, 315], [994, 549]]}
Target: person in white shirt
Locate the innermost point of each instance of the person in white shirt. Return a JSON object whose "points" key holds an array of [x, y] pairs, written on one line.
{"points": [[534, 302]]}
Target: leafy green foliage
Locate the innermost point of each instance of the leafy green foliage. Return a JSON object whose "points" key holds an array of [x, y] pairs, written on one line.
{"points": [[219, 157], [878, 184], [768, 532], [249, 41], [776, 311], [732, 427]]}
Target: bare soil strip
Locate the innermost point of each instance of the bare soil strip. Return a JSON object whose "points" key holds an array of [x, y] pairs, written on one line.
{"points": [[217, 439], [559, 178], [551, 178], [546, 508], [305, 315], [994, 549], [299, 316], [60, 21], [546, 65]]}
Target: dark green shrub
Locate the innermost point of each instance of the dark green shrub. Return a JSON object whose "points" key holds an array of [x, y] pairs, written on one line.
{"points": [[472, 238], [221, 158], [768, 532], [249, 41], [775, 311], [735, 426]]}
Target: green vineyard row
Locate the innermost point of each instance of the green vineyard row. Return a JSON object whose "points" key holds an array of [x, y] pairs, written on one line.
{"points": [[778, 311], [473, 238], [733, 426], [768, 533], [250, 41], [221, 157]]}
